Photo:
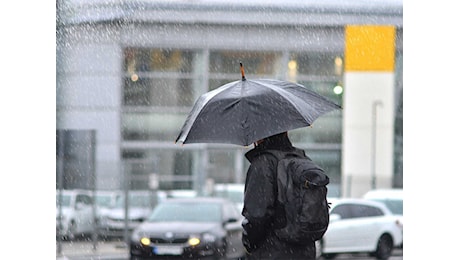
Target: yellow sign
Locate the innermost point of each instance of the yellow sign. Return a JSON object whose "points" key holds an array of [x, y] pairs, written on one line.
{"points": [[369, 48]]}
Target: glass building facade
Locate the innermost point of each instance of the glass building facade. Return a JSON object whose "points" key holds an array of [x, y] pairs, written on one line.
{"points": [[161, 85], [157, 77]]}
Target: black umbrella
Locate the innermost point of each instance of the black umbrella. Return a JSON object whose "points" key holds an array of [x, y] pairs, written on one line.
{"points": [[244, 111]]}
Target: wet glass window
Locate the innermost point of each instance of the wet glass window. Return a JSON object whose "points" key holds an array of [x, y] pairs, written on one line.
{"points": [[161, 85], [254, 62], [362, 211], [145, 125], [83, 199], [160, 60], [343, 211], [221, 166], [318, 63], [173, 167], [65, 202], [158, 92]]}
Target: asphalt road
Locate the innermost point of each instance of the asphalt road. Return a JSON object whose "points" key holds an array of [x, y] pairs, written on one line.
{"points": [[117, 250], [397, 255]]}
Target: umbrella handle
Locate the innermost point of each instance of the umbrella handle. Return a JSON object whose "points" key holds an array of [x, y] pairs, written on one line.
{"points": [[242, 71]]}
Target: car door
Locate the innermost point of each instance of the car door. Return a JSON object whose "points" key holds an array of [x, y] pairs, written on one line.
{"points": [[84, 212], [367, 226], [337, 237]]}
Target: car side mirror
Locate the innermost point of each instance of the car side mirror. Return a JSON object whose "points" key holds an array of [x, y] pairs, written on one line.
{"points": [[230, 220], [334, 217]]}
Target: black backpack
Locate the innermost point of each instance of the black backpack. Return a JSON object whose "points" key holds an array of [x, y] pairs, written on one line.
{"points": [[302, 211]]}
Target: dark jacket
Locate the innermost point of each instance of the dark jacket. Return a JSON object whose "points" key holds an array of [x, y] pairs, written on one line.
{"points": [[260, 205]]}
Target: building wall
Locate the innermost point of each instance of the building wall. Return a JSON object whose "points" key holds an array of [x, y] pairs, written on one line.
{"points": [[90, 76], [88, 92]]}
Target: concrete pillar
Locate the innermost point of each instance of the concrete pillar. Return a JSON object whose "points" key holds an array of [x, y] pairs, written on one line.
{"points": [[368, 114]]}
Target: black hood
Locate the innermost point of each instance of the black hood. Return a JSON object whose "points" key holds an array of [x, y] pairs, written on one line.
{"points": [[275, 142]]}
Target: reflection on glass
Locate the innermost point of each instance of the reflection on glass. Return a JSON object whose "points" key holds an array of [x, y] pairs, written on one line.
{"points": [[146, 59], [158, 92], [254, 62]]}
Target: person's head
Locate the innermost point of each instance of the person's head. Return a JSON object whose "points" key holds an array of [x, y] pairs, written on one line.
{"points": [[273, 137]]}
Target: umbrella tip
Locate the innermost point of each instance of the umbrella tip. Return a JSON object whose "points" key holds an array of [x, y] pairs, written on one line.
{"points": [[242, 71]]}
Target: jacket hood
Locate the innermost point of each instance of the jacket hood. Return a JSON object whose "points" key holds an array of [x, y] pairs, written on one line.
{"points": [[275, 142]]}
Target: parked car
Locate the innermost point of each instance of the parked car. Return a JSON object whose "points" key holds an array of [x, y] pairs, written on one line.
{"points": [[140, 205], [231, 191], [105, 201], [194, 228], [75, 213], [360, 226], [184, 193], [392, 198]]}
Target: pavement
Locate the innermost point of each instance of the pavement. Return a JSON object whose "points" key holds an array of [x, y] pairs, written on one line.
{"points": [[118, 250], [79, 250]]}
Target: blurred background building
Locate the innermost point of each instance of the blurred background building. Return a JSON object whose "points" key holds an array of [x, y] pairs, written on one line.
{"points": [[128, 72]]}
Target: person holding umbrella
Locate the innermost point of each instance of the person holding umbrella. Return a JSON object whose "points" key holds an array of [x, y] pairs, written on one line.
{"points": [[258, 112], [259, 204]]}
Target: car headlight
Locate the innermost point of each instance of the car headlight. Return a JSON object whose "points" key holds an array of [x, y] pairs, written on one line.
{"points": [[145, 241], [204, 238], [193, 241]]}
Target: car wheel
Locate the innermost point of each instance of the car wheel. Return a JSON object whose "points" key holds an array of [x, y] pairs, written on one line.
{"points": [[384, 247], [328, 256]]}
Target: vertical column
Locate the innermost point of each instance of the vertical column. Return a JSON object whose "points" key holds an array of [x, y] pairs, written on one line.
{"points": [[368, 115]]}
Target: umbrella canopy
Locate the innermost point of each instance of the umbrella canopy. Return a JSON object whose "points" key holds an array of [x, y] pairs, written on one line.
{"points": [[244, 111]]}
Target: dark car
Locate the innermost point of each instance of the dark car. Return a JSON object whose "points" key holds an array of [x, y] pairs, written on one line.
{"points": [[193, 228]]}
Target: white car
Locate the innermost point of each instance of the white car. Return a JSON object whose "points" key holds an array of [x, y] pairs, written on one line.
{"points": [[231, 191], [392, 198], [360, 226], [75, 214], [105, 201], [141, 204]]}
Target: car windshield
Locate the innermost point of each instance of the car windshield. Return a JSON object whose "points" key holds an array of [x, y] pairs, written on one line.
{"points": [[135, 201], [103, 200], [65, 202], [194, 212], [235, 196]]}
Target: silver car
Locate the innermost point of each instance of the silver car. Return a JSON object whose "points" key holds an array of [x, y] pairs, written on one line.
{"points": [[140, 205], [75, 214]]}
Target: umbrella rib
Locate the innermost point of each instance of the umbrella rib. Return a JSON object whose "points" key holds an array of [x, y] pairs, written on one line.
{"points": [[243, 116], [278, 90], [199, 104]]}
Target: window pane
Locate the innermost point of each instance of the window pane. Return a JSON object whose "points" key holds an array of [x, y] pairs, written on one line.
{"points": [[142, 60], [173, 167], [343, 211], [152, 126], [158, 92], [361, 211], [215, 83], [254, 62], [221, 165], [319, 64]]}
